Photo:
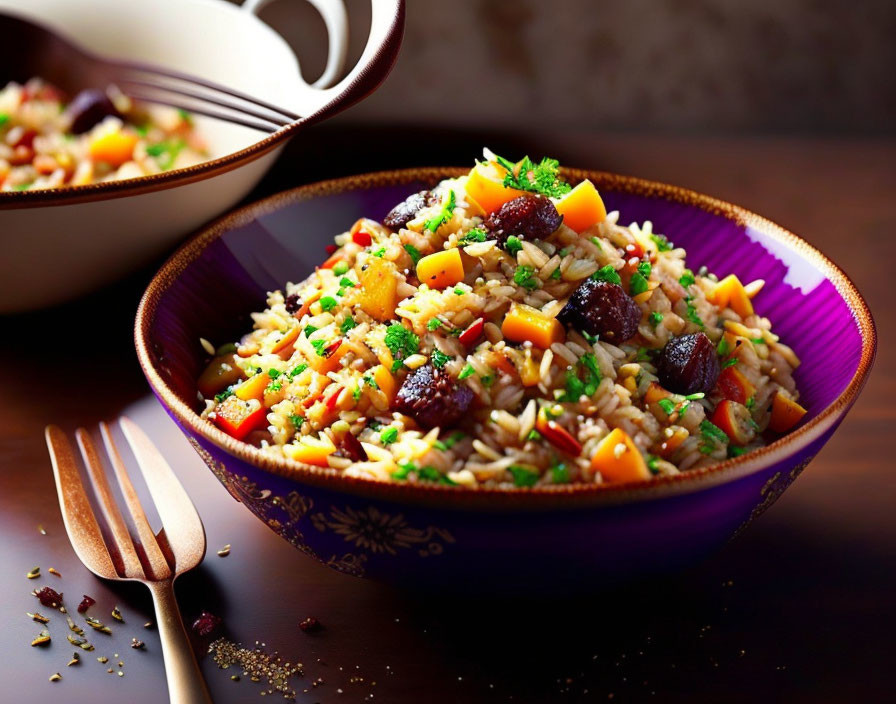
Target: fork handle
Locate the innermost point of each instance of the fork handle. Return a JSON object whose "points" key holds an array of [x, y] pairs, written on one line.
{"points": [[185, 682]]}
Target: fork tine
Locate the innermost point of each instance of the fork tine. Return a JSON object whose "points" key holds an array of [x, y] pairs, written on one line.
{"points": [[183, 527], [158, 566], [117, 527], [215, 114], [80, 523]]}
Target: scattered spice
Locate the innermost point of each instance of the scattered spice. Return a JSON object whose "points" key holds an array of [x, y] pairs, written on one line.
{"points": [[48, 597], [34, 573], [120, 673], [76, 660], [55, 572], [85, 604], [311, 625], [103, 659], [97, 625], [79, 642], [42, 638], [257, 665], [137, 644], [116, 614], [37, 617], [225, 551], [206, 624], [74, 627], [40, 529], [55, 677]]}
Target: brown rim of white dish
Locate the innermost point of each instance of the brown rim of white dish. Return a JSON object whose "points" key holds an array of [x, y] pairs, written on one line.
{"points": [[568, 495]]}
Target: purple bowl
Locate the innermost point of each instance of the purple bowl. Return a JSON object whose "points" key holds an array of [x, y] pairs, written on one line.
{"points": [[453, 537]]}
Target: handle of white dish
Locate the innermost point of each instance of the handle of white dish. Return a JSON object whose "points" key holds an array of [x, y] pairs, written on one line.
{"points": [[336, 20]]}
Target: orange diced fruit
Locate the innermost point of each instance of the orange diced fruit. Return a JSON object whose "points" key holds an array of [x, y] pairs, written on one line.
{"points": [[485, 187], [308, 450], [387, 383], [732, 418], [379, 287], [618, 459], [442, 269], [524, 323], [238, 418], [288, 338], [730, 293], [655, 393], [582, 207], [253, 387], [114, 147], [786, 413], [734, 385], [220, 373], [329, 360]]}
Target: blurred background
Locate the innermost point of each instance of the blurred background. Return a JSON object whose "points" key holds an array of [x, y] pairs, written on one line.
{"points": [[692, 66]]}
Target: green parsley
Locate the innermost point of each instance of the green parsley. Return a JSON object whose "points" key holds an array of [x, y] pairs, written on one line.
{"points": [[458, 291], [448, 205], [4, 118], [298, 369], [413, 252], [433, 324], [396, 365], [477, 234], [607, 273], [513, 244], [431, 474], [525, 276], [522, 476], [758, 340], [735, 451], [340, 268], [596, 242], [320, 346], [404, 469], [582, 380], [729, 362], [381, 252], [559, 473], [356, 393], [713, 437], [751, 403], [692, 314], [310, 330], [656, 318], [687, 278], [667, 404], [401, 341], [466, 371], [166, 152], [296, 420], [346, 282], [327, 303], [439, 359], [723, 349], [273, 386], [556, 274], [540, 178], [439, 445], [227, 393], [347, 325], [273, 373], [638, 282], [370, 382], [662, 243]]}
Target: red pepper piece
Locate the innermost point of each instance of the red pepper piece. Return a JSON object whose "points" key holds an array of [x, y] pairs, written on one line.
{"points": [[472, 333], [331, 399], [362, 238], [235, 418]]}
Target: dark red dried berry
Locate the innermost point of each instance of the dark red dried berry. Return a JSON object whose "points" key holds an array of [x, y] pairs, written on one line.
{"points": [[292, 303], [351, 447], [89, 108], [604, 309], [688, 364], [530, 217], [85, 604], [311, 625], [433, 398], [48, 596], [405, 211], [206, 624]]}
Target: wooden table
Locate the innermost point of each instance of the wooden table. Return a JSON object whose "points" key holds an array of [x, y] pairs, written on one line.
{"points": [[798, 609]]}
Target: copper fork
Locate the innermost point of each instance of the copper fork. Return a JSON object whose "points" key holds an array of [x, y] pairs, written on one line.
{"points": [[155, 560]]}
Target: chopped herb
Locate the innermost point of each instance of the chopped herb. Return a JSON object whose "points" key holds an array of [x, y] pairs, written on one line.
{"points": [[596, 242], [563, 252], [556, 274], [346, 282], [513, 244], [272, 387], [667, 404], [751, 403], [23, 186], [542, 177], [687, 278], [695, 397], [433, 324], [273, 373], [340, 268], [638, 282], [413, 252], [320, 346], [166, 152], [656, 318], [735, 451], [653, 464], [644, 269], [722, 350], [559, 473], [404, 470], [477, 234], [448, 205], [401, 341], [327, 303], [388, 436], [379, 252], [713, 437], [431, 474], [356, 393], [370, 382], [729, 362], [310, 330], [692, 314], [457, 332], [298, 369], [296, 420], [522, 476], [4, 118], [454, 438], [396, 365], [758, 340], [588, 336], [467, 371], [534, 436], [642, 355], [662, 243], [607, 273], [439, 359], [439, 445], [347, 325], [458, 291], [525, 276], [582, 380]]}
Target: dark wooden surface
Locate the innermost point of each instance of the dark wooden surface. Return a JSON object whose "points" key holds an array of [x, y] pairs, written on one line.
{"points": [[798, 609]]}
